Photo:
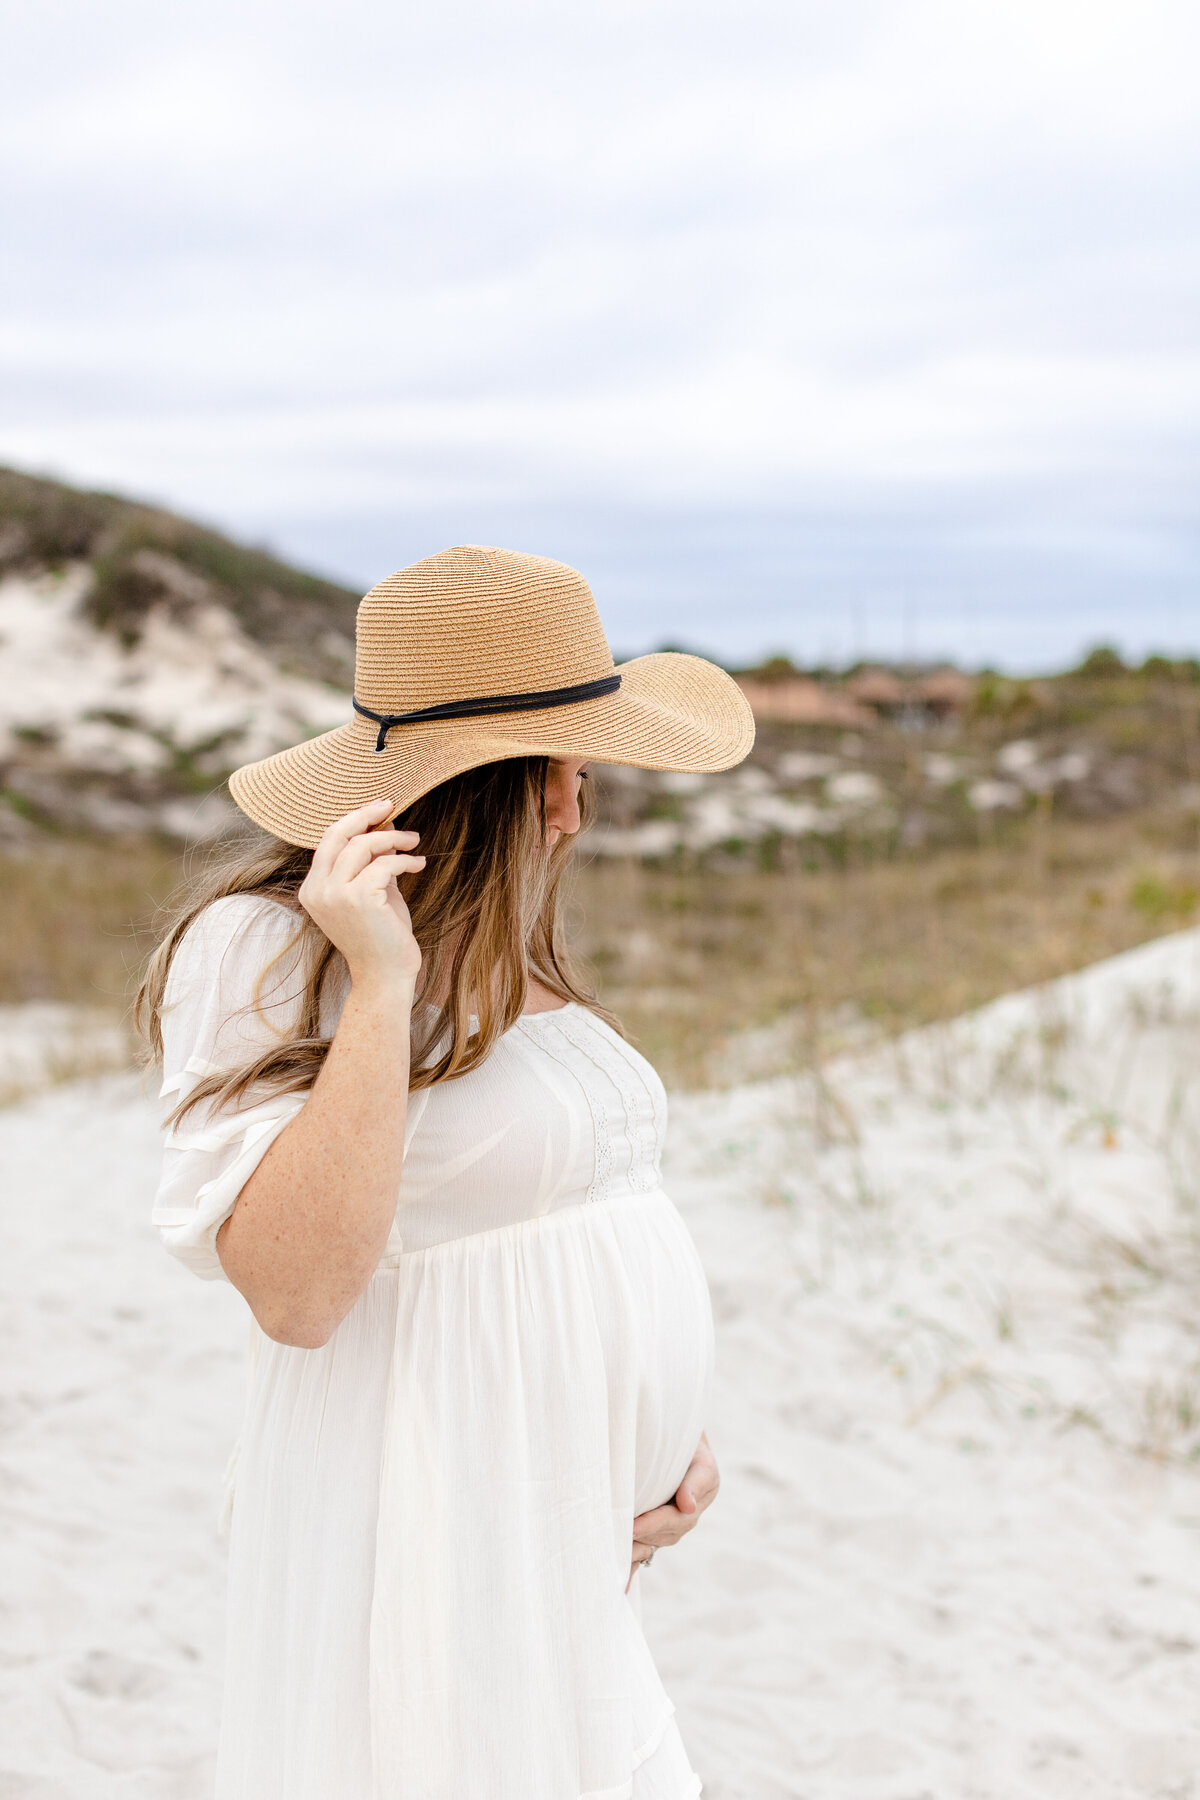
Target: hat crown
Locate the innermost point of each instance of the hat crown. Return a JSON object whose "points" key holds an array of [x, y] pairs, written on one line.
{"points": [[475, 621]]}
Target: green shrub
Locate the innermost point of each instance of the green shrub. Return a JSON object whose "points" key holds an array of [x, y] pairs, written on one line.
{"points": [[1157, 899]]}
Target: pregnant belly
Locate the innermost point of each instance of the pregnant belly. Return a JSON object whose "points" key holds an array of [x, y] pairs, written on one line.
{"points": [[668, 1351], [549, 1381], [539, 1355]]}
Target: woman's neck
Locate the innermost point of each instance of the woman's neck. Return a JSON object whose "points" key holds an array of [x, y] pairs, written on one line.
{"points": [[540, 999]]}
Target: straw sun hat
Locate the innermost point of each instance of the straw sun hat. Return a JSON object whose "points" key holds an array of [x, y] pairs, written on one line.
{"points": [[476, 655]]}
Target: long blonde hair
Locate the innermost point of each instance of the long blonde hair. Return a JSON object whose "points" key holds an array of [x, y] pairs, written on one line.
{"points": [[486, 912]]}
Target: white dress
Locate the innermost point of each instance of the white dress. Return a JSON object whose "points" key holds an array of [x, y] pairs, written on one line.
{"points": [[432, 1519]]}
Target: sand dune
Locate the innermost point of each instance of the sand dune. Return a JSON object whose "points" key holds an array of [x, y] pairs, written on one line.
{"points": [[957, 1554]]}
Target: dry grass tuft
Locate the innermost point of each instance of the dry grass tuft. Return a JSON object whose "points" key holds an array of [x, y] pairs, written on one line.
{"points": [[810, 960], [719, 970], [78, 918]]}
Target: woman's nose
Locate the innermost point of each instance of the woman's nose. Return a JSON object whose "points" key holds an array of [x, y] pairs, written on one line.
{"points": [[562, 802]]}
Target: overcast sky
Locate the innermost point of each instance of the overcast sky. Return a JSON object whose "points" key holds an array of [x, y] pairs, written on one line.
{"points": [[833, 328]]}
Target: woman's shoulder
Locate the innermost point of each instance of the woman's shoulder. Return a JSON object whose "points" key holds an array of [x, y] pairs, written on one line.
{"points": [[249, 928], [577, 1021], [241, 912]]}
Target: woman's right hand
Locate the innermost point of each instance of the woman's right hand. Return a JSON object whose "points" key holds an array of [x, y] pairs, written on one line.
{"points": [[350, 892]]}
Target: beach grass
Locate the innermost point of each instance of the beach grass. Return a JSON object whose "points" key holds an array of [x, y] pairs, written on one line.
{"points": [[78, 918], [719, 970]]}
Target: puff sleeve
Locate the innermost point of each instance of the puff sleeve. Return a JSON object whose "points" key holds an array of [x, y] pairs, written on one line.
{"points": [[234, 989]]}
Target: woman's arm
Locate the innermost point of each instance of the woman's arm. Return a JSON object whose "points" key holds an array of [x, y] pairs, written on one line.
{"points": [[309, 1227]]}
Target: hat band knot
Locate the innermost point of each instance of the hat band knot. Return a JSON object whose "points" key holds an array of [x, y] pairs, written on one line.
{"points": [[491, 703]]}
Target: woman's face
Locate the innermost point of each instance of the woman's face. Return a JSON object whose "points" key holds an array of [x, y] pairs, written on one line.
{"points": [[562, 798]]}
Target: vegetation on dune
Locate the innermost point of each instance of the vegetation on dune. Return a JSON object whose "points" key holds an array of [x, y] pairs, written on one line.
{"points": [[143, 556], [816, 959], [690, 957], [965, 836]]}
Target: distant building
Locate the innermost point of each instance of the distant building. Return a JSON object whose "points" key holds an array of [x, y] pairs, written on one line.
{"points": [[783, 695], [945, 691], [880, 689], [936, 693], [799, 700]]}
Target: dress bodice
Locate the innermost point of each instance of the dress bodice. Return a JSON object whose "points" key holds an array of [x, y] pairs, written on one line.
{"points": [[562, 1113]]}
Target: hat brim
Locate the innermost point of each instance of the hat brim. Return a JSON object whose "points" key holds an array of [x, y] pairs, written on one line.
{"points": [[672, 711]]}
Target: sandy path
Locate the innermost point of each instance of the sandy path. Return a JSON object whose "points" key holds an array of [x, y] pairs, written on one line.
{"points": [[956, 1297], [122, 1389], [953, 1298]]}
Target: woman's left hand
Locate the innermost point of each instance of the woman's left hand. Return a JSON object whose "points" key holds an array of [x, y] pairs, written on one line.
{"points": [[665, 1525]]}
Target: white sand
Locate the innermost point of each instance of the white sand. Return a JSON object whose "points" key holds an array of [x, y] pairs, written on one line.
{"points": [[192, 677], [957, 1553], [44, 1042]]}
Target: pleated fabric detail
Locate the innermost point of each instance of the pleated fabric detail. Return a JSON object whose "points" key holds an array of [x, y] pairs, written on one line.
{"points": [[432, 1513]]}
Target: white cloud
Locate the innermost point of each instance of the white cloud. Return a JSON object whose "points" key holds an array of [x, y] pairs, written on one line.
{"points": [[265, 260]]}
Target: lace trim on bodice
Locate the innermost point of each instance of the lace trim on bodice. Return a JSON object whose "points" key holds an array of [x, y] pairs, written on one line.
{"points": [[639, 1101]]}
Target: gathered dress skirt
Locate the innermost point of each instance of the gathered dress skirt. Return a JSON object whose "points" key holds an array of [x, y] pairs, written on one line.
{"points": [[431, 1517]]}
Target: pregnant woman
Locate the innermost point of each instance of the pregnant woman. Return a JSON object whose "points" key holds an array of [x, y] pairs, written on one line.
{"points": [[407, 1133]]}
